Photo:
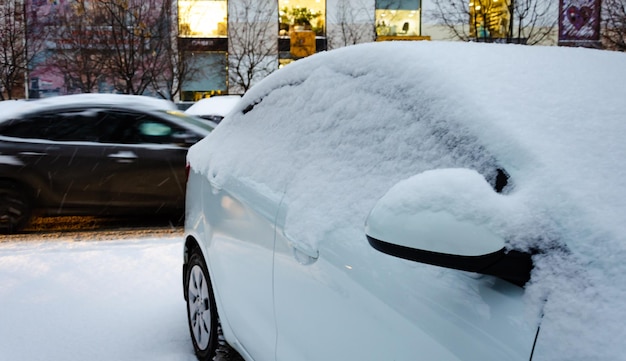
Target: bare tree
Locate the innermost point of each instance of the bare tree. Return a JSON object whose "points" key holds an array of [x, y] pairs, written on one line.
{"points": [[351, 23], [137, 38], [129, 44], [168, 82], [454, 15], [520, 21], [614, 27], [21, 37], [80, 51], [253, 46], [533, 20], [12, 42], [120, 41]]}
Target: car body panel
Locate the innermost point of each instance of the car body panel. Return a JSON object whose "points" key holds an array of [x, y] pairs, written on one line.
{"points": [[391, 311], [78, 174], [239, 252], [67, 171], [131, 164], [358, 307]]}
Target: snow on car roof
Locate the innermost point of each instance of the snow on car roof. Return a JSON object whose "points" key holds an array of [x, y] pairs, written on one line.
{"points": [[134, 101], [217, 105], [338, 129], [7, 106]]}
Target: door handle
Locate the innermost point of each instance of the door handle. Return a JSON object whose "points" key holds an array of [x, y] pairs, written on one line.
{"points": [[304, 254], [123, 156], [33, 153]]}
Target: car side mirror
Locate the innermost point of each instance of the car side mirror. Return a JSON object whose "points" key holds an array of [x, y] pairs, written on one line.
{"points": [[429, 218], [185, 139]]}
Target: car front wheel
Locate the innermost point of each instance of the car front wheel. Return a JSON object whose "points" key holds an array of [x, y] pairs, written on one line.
{"points": [[201, 309], [15, 208]]}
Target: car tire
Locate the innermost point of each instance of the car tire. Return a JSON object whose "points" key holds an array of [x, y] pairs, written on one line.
{"points": [[15, 207], [201, 309]]}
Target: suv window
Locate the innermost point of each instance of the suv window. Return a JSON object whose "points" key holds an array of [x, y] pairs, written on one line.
{"points": [[71, 125], [95, 125], [134, 128]]}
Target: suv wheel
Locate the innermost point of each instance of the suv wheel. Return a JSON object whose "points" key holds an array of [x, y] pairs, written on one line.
{"points": [[15, 207]]}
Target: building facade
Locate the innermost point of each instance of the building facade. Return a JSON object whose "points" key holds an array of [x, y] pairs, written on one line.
{"points": [[254, 38], [190, 49], [217, 46]]}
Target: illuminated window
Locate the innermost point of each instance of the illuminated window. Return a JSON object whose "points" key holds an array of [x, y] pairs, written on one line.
{"points": [[309, 14], [489, 19], [397, 18], [202, 18], [302, 28]]}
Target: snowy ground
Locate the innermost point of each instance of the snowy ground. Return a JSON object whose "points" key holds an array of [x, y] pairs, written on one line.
{"points": [[93, 300]]}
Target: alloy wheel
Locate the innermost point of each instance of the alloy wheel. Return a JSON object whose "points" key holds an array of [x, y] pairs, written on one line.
{"points": [[199, 307]]}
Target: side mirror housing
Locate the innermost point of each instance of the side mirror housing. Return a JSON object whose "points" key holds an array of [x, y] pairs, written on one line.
{"points": [[185, 139], [418, 220]]}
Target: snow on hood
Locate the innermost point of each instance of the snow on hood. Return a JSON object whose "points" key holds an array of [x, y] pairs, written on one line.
{"points": [[218, 105], [340, 128]]}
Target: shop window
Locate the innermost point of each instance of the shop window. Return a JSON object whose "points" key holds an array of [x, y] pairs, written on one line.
{"points": [[398, 18], [489, 19], [302, 28], [203, 18], [210, 75]]}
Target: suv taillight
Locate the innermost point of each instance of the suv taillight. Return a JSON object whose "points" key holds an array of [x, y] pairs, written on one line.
{"points": [[187, 170]]}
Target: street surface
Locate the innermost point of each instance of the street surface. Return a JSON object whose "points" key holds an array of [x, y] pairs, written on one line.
{"points": [[96, 228], [103, 229]]}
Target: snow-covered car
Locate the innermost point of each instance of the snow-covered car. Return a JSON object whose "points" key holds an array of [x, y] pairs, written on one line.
{"points": [[94, 154], [214, 108], [415, 201]]}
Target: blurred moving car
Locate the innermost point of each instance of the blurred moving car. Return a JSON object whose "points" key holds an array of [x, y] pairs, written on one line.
{"points": [[94, 154], [214, 108], [415, 200]]}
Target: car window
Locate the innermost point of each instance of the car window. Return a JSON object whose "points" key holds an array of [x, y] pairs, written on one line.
{"points": [[129, 127], [104, 126], [189, 119], [71, 125], [154, 129]]}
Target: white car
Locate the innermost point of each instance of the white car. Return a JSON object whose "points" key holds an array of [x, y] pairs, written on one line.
{"points": [[415, 201], [214, 108]]}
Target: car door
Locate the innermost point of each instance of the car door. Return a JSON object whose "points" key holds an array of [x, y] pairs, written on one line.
{"points": [[146, 158], [62, 157], [240, 250], [344, 300]]}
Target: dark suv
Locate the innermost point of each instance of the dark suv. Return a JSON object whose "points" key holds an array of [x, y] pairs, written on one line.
{"points": [[94, 154]]}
